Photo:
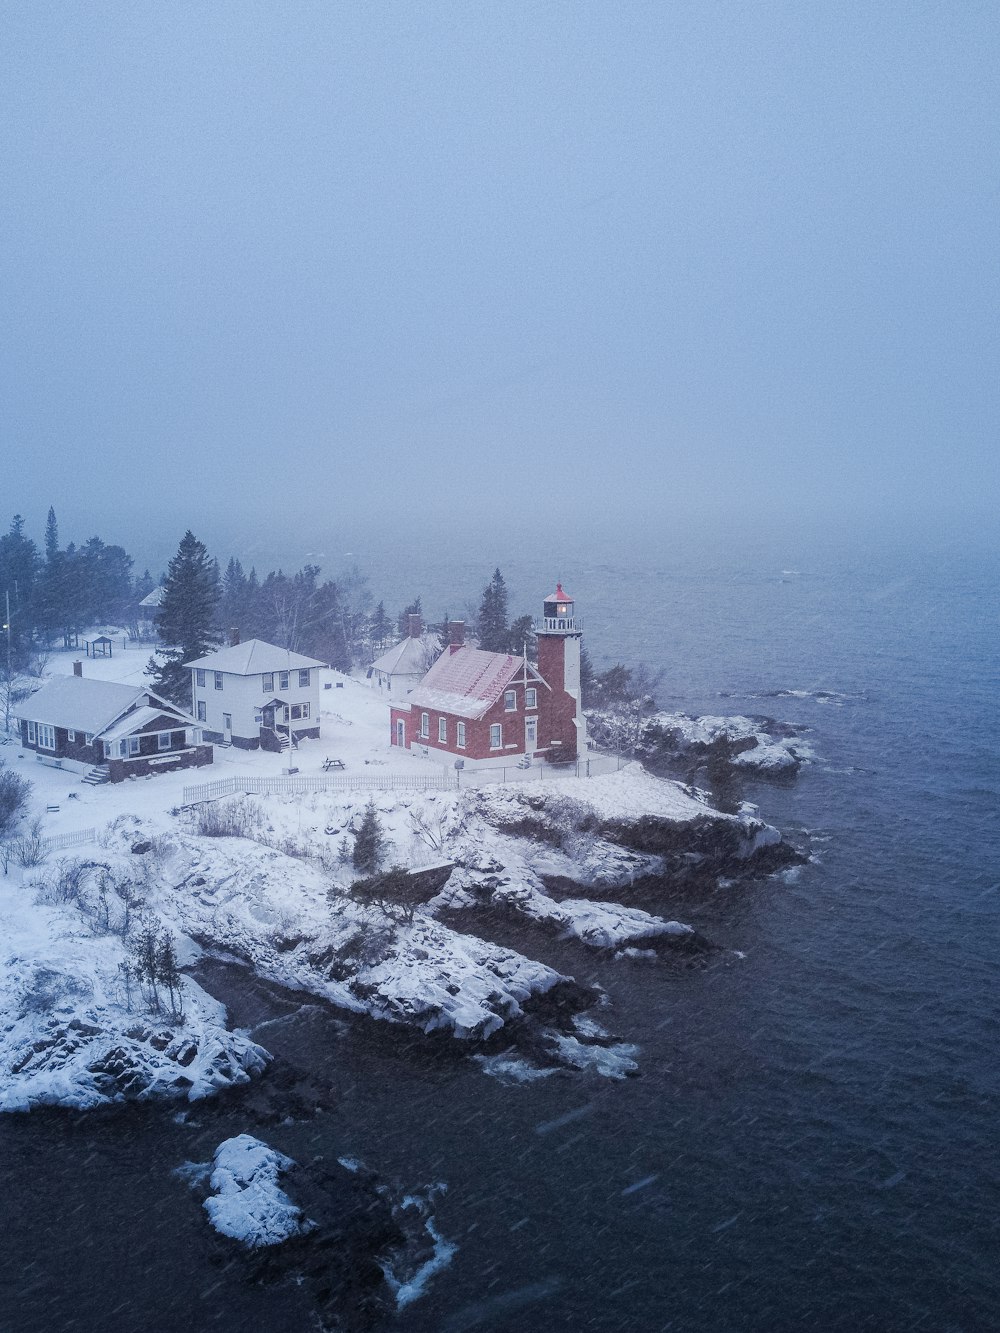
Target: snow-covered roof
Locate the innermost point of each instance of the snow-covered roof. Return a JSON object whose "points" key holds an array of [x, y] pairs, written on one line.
{"points": [[409, 657], [153, 598], [467, 682], [135, 721], [254, 658], [79, 703], [558, 595]]}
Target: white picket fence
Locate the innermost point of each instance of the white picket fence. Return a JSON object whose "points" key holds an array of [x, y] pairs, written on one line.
{"points": [[60, 841], [446, 780], [260, 786]]}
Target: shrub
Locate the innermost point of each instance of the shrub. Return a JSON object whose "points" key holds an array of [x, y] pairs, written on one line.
{"points": [[395, 893], [369, 842], [240, 818]]}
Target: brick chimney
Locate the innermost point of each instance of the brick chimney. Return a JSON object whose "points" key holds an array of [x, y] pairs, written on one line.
{"points": [[415, 625], [77, 668], [234, 636], [456, 635]]}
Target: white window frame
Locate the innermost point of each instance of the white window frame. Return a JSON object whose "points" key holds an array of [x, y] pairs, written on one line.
{"points": [[282, 680], [163, 740], [460, 735], [46, 736], [443, 730], [267, 681], [305, 710], [32, 733], [71, 736], [88, 738], [218, 680], [133, 746], [199, 678], [296, 712], [425, 726], [202, 713], [304, 678], [531, 697], [496, 730], [510, 701]]}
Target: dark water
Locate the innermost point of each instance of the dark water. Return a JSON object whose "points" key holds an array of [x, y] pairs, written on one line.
{"points": [[811, 1142]]}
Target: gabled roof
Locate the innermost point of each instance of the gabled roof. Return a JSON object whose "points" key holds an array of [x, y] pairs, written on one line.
{"points": [[78, 703], [153, 598], [135, 721], [254, 658], [409, 657], [467, 682]]}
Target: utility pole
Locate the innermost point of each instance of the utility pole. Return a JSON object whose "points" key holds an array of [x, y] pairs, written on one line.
{"points": [[9, 683]]}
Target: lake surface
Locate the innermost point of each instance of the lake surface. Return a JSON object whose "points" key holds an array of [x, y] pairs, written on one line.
{"points": [[811, 1143]]}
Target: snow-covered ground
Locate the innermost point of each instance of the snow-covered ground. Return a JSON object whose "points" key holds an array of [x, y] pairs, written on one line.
{"points": [[75, 1030]]}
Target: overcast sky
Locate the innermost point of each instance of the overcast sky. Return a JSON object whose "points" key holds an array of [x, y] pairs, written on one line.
{"points": [[306, 263]]}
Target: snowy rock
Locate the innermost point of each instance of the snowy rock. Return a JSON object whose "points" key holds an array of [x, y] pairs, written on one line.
{"points": [[249, 1205]]}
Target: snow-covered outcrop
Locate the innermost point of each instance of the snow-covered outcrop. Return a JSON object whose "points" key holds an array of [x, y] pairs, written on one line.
{"points": [[68, 1036], [753, 745], [249, 1204]]}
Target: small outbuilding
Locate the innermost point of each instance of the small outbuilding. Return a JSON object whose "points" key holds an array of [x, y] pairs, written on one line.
{"points": [[402, 667]]}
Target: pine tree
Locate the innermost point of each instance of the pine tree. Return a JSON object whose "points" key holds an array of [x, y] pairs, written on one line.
{"points": [[186, 618], [379, 629], [369, 842], [492, 627], [51, 536], [521, 636], [168, 973]]}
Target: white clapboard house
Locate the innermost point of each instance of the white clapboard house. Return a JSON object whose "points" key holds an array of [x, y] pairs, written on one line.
{"points": [[251, 694]]}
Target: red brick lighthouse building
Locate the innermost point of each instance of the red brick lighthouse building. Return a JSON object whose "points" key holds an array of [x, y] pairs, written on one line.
{"points": [[498, 708]]}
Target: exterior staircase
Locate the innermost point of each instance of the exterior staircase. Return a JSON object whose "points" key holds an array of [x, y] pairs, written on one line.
{"points": [[97, 776]]}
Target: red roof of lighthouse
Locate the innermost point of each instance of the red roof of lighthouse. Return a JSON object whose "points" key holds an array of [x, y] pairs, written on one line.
{"points": [[558, 595]]}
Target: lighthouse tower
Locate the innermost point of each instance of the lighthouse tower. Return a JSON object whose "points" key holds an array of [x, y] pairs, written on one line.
{"points": [[559, 635]]}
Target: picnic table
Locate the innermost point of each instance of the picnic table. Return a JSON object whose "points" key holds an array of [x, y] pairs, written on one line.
{"points": [[329, 763]]}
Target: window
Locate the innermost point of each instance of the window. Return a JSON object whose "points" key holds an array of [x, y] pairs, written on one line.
{"points": [[218, 680], [258, 716], [460, 735], [199, 679], [163, 740], [46, 736], [305, 710], [531, 697], [304, 678], [443, 730], [425, 725], [133, 745], [268, 682], [88, 738], [31, 733], [282, 680], [71, 735], [496, 736], [202, 711], [296, 711], [510, 700]]}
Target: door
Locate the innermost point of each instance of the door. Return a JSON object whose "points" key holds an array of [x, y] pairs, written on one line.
{"points": [[530, 735], [227, 728], [401, 734]]}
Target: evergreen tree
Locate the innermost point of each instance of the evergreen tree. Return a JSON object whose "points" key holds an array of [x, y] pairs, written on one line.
{"points": [[379, 629], [369, 842], [521, 636], [491, 625], [186, 618], [414, 609], [168, 972], [588, 681], [51, 536]]}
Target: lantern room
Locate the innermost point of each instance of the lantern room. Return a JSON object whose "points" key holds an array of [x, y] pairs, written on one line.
{"points": [[557, 613]]}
